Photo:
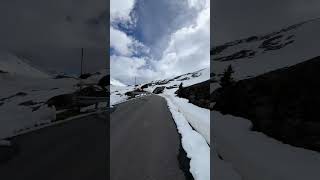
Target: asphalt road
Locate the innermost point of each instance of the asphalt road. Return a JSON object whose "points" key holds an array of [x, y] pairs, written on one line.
{"points": [[76, 149], [144, 141]]}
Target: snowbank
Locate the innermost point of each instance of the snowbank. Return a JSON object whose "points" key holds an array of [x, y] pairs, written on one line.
{"points": [[199, 118], [222, 170], [117, 94], [15, 118], [193, 143], [257, 156]]}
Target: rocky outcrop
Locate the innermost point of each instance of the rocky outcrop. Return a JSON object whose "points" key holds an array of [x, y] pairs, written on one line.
{"points": [[64, 101], [104, 81], [158, 90], [92, 91], [282, 104], [85, 76], [197, 94], [254, 46], [68, 101]]}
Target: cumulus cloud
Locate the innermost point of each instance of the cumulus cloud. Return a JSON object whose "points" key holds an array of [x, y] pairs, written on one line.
{"points": [[120, 10], [120, 41], [189, 47], [186, 45], [126, 69]]}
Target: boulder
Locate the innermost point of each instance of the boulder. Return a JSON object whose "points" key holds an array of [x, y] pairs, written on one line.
{"points": [[158, 90]]}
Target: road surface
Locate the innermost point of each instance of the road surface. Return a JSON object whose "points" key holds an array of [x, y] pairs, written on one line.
{"points": [[144, 141], [73, 150]]}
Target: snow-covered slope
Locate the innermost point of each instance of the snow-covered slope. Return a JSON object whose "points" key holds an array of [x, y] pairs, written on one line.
{"points": [[24, 91], [253, 154], [260, 54], [116, 83], [13, 65], [186, 79], [117, 94]]}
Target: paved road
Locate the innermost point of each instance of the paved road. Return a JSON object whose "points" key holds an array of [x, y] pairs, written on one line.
{"points": [[144, 141], [73, 150]]}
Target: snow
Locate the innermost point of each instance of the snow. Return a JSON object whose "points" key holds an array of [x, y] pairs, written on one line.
{"points": [[199, 118], [257, 156], [222, 170], [25, 83], [304, 47], [14, 119], [14, 65], [117, 94], [192, 78], [94, 78], [116, 83], [253, 155], [5, 143], [193, 122], [193, 143], [15, 116]]}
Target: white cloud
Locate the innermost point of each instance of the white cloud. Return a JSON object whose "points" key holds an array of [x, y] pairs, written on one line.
{"points": [[125, 45], [189, 47], [198, 4], [188, 50], [120, 41], [120, 9], [126, 69]]}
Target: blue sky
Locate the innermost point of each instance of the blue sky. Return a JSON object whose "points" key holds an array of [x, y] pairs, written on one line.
{"points": [[158, 39]]}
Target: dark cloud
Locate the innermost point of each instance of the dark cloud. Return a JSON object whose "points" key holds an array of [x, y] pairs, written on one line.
{"points": [[50, 31], [234, 19]]}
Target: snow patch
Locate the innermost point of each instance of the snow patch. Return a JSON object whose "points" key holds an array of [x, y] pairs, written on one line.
{"points": [[116, 83], [193, 143], [257, 156]]}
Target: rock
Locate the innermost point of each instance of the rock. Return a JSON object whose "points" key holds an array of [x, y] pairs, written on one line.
{"points": [[172, 87], [63, 101], [197, 94], [104, 81], [158, 90], [28, 103], [145, 86], [85, 76], [93, 91]]}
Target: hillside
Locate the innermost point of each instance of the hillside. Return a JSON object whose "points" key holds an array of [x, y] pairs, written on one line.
{"points": [[27, 91], [259, 54], [265, 118], [11, 64]]}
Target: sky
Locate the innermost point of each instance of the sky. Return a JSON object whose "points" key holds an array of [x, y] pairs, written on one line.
{"points": [[235, 19], [153, 40], [51, 32]]}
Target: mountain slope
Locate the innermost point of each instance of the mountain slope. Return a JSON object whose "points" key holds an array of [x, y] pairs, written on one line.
{"points": [[265, 121], [186, 80], [13, 65], [256, 55], [116, 83]]}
